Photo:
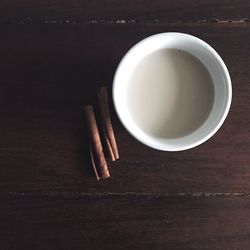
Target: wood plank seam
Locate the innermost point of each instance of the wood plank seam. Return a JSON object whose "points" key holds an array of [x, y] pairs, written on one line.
{"points": [[127, 194], [242, 20]]}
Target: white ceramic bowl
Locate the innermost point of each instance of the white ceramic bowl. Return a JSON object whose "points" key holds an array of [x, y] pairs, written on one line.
{"points": [[214, 64]]}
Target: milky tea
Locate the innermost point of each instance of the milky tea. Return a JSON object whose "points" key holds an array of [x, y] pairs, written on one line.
{"points": [[170, 93]]}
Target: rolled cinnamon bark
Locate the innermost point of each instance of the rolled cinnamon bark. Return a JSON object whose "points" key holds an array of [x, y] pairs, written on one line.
{"points": [[107, 125], [96, 151]]}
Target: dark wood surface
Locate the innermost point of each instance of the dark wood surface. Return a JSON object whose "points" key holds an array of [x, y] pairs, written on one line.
{"points": [[74, 11], [53, 56]]}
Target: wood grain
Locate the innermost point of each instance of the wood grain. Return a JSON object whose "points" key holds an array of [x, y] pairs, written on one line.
{"points": [[58, 11], [53, 57], [49, 73], [124, 222]]}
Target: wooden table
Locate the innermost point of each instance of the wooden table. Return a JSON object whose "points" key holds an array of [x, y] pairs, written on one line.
{"points": [[54, 54]]}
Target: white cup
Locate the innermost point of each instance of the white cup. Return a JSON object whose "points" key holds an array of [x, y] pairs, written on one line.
{"points": [[214, 64]]}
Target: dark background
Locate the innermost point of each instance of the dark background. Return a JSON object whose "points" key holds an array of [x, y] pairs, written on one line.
{"points": [[53, 56]]}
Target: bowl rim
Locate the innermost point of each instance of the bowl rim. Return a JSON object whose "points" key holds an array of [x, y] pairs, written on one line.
{"points": [[165, 147]]}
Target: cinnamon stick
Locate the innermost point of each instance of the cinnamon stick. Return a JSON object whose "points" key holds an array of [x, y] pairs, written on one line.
{"points": [[107, 125], [96, 151], [93, 161]]}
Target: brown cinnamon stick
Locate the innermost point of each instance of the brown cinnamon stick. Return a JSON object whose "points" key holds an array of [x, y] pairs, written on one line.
{"points": [[96, 151], [107, 125], [93, 161]]}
